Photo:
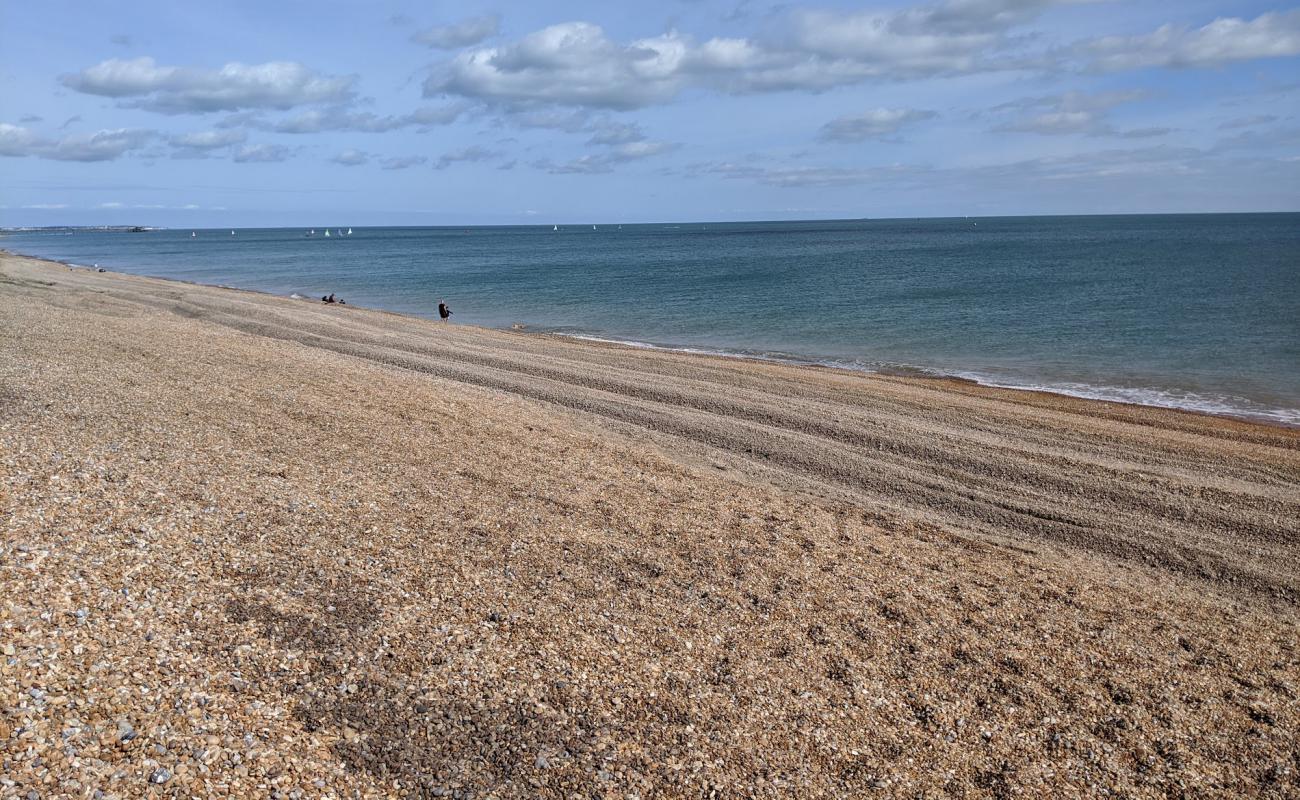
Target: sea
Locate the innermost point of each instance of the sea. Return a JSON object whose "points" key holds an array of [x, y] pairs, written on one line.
{"points": [[1197, 312]]}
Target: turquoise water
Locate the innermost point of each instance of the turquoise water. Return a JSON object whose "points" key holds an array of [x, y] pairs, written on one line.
{"points": [[1195, 311]]}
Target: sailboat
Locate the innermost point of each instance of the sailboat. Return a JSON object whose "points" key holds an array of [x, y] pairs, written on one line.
{"points": [[339, 231], [193, 234], [349, 231], [232, 233], [593, 227], [327, 231], [312, 232], [555, 227]]}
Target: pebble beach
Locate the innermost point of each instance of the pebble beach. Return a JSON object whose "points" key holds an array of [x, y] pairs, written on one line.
{"points": [[257, 547]]}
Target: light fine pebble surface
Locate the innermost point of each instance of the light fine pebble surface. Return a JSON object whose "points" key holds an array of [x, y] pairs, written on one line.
{"points": [[265, 548]]}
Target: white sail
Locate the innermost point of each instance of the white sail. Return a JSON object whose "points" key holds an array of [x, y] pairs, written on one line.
{"points": [[327, 231], [349, 231]]}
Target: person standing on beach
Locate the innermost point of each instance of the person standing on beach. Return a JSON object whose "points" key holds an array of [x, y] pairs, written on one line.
{"points": [[443, 311]]}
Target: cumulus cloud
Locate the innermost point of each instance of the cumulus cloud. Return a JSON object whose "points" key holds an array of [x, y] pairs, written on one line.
{"points": [[261, 153], [461, 34], [472, 153], [578, 64], [351, 158], [337, 118], [180, 90], [879, 123], [105, 145], [573, 63], [402, 162], [1074, 113], [1225, 40]]}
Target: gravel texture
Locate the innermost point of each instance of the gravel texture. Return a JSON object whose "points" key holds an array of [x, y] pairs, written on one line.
{"points": [[257, 547]]}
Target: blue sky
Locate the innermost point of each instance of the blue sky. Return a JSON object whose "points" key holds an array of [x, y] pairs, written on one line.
{"points": [[329, 113]]}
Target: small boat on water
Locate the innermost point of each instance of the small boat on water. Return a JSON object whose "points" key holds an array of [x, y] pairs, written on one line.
{"points": [[349, 231], [232, 233], [193, 234], [555, 227]]}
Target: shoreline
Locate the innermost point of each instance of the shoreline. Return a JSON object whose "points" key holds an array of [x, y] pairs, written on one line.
{"points": [[1273, 417]]}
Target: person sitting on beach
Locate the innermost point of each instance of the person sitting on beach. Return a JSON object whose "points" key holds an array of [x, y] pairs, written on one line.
{"points": [[330, 298], [443, 311]]}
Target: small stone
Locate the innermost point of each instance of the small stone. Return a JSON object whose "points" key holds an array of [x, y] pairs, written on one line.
{"points": [[160, 776]]}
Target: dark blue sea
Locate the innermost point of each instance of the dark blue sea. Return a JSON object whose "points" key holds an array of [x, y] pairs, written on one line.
{"points": [[1191, 311]]}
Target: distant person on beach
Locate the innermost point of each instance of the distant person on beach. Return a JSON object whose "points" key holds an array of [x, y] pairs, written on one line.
{"points": [[443, 311], [329, 298]]}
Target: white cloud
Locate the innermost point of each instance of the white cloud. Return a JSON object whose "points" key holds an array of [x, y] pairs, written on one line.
{"points": [[1225, 40], [577, 64], [180, 90], [105, 145], [461, 34], [879, 123], [252, 153], [351, 158], [573, 63]]}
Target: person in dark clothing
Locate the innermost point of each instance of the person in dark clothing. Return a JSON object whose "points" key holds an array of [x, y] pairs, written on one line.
{"points": [[443, 311]]}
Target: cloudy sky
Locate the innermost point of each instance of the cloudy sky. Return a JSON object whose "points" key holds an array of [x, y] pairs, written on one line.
{"points": [[328, 113]]}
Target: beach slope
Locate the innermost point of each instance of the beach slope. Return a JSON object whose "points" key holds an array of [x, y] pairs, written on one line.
{"points": [[256, 545]]}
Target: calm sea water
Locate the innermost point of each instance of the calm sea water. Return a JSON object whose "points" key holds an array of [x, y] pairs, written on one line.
{"points": [[1195, 311]]}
